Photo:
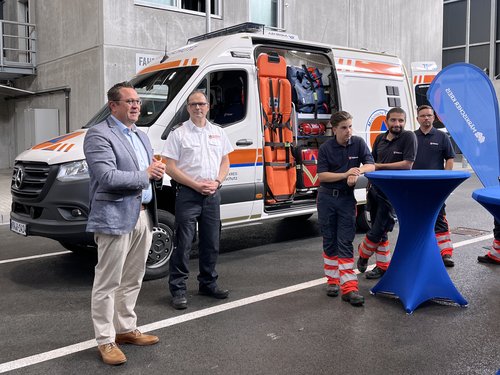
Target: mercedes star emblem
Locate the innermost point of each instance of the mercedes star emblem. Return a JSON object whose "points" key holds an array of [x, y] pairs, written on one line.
{"points": [[18, 178]]}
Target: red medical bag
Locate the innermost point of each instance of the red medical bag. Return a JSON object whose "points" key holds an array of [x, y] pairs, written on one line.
{"points": [[307, 176]]}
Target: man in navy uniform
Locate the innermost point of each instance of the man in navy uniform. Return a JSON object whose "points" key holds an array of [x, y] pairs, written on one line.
{"points": [[339, 166], [435, 152], [394, 149]]}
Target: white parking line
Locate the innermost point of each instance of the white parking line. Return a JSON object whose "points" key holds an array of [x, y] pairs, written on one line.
{"points": [[71, 349], [34, 257]]}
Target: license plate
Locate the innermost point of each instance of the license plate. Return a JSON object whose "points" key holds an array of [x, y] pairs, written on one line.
{"points": [[17, 227]]}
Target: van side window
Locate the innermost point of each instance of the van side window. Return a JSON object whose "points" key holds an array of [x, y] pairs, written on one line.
{"points": [[228, 91]]}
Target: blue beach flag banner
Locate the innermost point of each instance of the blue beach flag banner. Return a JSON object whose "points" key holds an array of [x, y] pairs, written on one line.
{"points": [[465, 101]]}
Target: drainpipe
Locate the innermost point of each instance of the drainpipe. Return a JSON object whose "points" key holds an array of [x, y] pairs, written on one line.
{"points": [[207, 11]]}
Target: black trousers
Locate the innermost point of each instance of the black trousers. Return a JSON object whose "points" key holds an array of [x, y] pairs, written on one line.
{"points": [[496, 230], [441, 223], [337, 219], [382, 215], [192, 207]]}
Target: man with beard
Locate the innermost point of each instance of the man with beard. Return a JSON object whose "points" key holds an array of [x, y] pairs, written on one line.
{"points": [[394, 149], [435, 152]]}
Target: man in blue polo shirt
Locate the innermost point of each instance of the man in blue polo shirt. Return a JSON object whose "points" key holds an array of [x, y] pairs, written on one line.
{"points": [[435, 152], [339, 167], [394, 149]]}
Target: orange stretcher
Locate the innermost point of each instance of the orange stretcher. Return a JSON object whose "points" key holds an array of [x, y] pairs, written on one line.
{"points": [[276, 100]]}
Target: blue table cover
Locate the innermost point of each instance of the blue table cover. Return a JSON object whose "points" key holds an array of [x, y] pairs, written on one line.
{"points": [[416, 272], [489, 198]]}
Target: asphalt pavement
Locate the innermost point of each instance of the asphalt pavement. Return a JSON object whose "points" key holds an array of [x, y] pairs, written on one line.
{"points": [[278, 319]]}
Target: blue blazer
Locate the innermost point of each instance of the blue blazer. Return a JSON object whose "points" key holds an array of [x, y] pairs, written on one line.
{"points": [[116, 183]]}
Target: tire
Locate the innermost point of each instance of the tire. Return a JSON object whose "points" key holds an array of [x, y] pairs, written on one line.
{"points": [[161, 248], [363, 221]]}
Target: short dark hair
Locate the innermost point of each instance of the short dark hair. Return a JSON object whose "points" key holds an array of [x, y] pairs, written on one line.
{"points": [[338, 117], [114, 92], [197, 92], [395, 110], [424, 106]]}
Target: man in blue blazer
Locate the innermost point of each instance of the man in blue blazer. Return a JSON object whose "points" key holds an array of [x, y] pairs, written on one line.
{"points": [[122, 215]]}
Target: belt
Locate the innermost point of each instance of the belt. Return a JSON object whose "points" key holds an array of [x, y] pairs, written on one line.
{"points": [[333, 192], [143, 207]]}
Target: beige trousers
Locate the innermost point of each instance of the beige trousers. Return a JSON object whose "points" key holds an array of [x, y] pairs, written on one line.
{"points": [[118, 279]]}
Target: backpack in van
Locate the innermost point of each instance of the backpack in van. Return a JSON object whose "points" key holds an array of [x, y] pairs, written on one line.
{"points": [[308, 91]]}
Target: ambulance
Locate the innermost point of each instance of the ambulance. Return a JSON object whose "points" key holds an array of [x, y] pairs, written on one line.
{"points": [[271, 92]]}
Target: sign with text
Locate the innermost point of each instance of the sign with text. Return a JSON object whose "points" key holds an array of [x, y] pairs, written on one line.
{"points": [[465, 101], [142, 60]]}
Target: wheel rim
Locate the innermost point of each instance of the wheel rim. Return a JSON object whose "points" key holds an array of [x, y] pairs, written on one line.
{"points": [[161, 247]]}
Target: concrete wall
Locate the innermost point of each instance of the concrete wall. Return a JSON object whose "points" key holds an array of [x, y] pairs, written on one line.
{"points": [[411, 30], [87, 46], [7, 131]]}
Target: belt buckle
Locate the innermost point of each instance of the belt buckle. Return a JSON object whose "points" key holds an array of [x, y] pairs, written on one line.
{"points": [[335, 192]]}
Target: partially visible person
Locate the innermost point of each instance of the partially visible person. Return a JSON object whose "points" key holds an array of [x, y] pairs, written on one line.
{"points": [[493, 255], [394, 149], [339, 166], [435, 152], [122, 215], [198, 162]]}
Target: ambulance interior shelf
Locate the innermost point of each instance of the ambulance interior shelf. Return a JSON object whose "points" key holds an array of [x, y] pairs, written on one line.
{"points": [[307, 126]]}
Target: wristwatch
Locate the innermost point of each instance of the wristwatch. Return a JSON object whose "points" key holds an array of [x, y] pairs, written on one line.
{"points": [[219, 182]]}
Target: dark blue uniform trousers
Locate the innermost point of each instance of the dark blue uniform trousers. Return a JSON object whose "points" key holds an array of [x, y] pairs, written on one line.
{"points": [[337, 219], [192, 207], [382, 215]]}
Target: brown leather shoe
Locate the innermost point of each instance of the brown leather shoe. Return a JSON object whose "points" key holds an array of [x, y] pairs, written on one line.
{"points": [[135, 337], [111, 354]]}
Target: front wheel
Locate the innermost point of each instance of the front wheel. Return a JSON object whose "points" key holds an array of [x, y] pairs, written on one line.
{"points": [[162, 246]]}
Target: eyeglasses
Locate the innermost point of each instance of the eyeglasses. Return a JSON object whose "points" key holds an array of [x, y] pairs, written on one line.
{"points": [[131, 101], [194, 105]]}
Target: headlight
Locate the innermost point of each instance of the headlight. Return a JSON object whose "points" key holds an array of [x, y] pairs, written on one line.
{"points": [[77, 170]]}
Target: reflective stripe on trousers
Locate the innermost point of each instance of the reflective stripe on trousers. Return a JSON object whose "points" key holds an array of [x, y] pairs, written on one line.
{"points": [[494, 253], [383, 255], [366, 248], [444, 243], [348, 279], [331, 267]]}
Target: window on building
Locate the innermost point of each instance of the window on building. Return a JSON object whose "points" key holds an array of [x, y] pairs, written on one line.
{"points": [[480, 56], [452, 56], [467, 34], [266, 12], [480, 14], [188, 5], [454, 23], [497, 60]]}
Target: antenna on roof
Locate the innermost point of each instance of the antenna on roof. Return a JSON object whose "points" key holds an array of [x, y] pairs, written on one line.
{"points": [[165, 56]]}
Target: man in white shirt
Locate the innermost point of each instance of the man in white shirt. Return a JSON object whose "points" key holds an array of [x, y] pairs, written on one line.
{"points": [[198, 162]]}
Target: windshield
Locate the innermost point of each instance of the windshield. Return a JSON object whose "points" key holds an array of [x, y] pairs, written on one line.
{"points": [[156, 89]]}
